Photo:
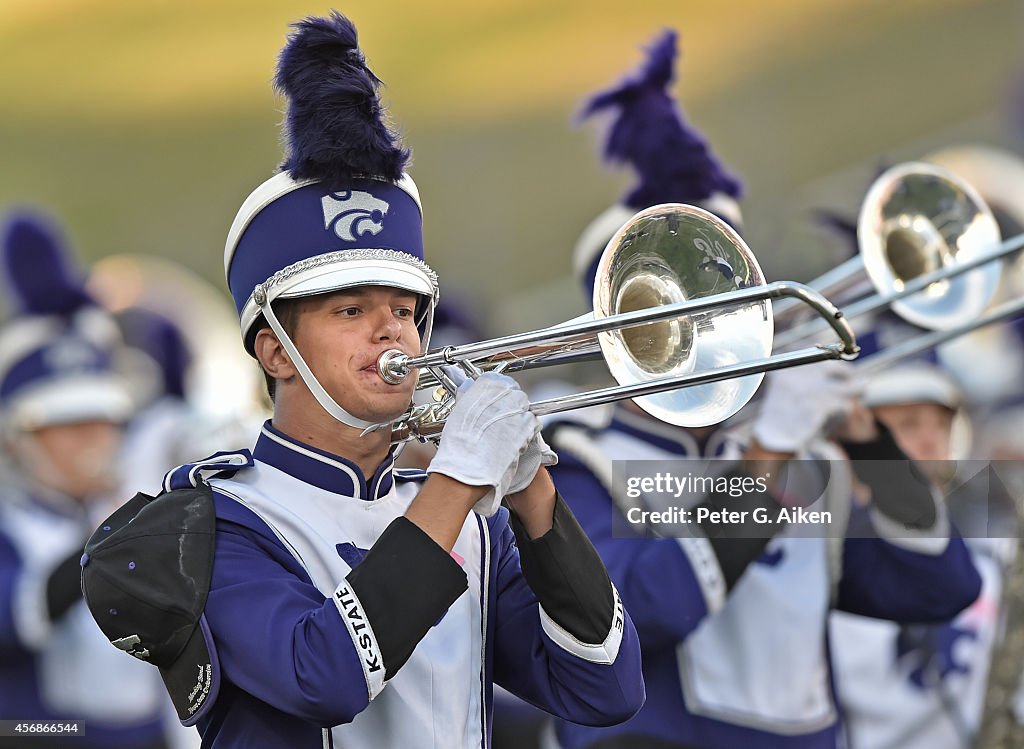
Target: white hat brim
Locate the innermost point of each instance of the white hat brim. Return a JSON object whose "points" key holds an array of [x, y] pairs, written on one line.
{"points": [[69, 401], [344, 274]]}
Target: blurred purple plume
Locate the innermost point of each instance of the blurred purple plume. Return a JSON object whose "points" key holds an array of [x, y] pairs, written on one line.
{"points": [[842, 226], [162, 340], [41, 275], [672, 160]]}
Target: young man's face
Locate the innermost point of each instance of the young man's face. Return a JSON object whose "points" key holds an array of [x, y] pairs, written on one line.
{"points": [[76, 459], [341, 335], [922, 430]]}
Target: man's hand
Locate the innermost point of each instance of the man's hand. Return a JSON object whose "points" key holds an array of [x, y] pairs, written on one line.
{"points": [[485, 436], [536, 454], [859, 425], [801, 402]]}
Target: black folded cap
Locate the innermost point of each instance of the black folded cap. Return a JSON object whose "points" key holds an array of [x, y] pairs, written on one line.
{"points": [[146, 576]]}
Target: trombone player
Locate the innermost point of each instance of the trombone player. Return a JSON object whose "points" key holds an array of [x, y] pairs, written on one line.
{"points": [[329, 599], [733, 620], [910, 686]]}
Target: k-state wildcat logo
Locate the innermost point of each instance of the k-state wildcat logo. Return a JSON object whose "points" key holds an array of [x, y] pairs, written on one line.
{"points": [[353, 213], [71, 354]]}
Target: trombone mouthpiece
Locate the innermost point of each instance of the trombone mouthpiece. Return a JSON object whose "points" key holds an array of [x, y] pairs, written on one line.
{"points": [[392, 368]]}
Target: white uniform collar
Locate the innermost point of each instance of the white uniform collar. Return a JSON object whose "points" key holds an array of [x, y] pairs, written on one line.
{"points": [[329, 472]]}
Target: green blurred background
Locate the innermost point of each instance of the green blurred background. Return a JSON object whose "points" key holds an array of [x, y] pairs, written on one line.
{"points": [[143, 125]]}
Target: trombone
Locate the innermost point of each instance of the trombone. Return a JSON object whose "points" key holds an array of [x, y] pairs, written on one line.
{"points": [[929, 245], [920, 343], [682, 317]]}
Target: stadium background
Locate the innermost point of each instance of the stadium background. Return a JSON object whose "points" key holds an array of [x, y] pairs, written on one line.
{"points": [[144, 125]]}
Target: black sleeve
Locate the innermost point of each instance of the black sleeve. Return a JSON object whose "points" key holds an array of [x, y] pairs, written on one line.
{"points": [[566, 574], [64, 585], [405, 584], [736, 545], [897, 488]]}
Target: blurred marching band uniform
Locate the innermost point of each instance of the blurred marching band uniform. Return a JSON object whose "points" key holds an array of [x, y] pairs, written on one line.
{"points": [[1003, 442], [161, 434], [986, 362], [733, 628], [62, 409], [193, 394], [987, 365], [924, 685], [933, 686]]}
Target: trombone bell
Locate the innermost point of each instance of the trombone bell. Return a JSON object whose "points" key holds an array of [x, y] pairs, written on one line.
{"points": [[918, 218], [674, 253]]}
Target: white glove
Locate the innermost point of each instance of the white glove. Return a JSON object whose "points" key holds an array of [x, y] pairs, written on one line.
{"points": [[484, 437], [537, 454], [801, 401]]}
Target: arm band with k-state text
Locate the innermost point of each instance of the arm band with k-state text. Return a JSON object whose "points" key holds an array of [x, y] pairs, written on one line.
{"points": [[403, 586]]}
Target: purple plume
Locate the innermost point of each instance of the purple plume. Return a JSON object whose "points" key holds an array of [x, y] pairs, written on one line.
{"points": [[161, 339], [40, 273], [335, 128], [672, 160]]}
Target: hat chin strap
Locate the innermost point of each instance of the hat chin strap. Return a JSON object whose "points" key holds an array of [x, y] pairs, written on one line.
{"points": [[322, 397]]}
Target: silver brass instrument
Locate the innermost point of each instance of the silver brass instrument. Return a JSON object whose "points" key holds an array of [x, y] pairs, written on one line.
{"points": [[987, 361], [918, 344], [929, 245], [918, 219], [682, 318]]}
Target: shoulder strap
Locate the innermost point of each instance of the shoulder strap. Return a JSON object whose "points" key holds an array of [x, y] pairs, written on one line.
{"points": [[218, 465]]}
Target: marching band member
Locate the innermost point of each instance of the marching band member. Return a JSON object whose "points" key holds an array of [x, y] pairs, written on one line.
{"points": [[924, 685], [159, 437], [62, 407], [327, 598], [733, 623]]}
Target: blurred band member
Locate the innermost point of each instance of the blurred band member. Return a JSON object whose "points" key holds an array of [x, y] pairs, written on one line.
{"points": [[732, 620], [922, 686], [62, 407]]}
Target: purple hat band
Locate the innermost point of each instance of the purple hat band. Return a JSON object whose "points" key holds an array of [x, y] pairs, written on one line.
{"points": [[313, 220], [66, 357]]}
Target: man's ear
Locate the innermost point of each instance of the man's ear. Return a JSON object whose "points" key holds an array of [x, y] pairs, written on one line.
{"points": [[272, 356]]}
